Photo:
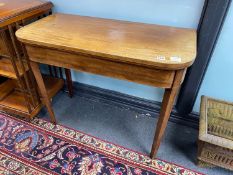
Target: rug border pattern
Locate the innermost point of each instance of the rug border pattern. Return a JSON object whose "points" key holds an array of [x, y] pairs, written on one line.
{"points": [[120, 153]]}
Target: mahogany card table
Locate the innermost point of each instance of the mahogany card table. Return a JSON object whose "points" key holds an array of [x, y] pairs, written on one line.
{"points": [[143, 53]]}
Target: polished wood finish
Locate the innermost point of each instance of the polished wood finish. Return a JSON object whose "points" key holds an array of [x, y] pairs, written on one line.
{"points": [[14, 101], [69, 82], [96, 65], [3, 48], [15, 10], [167, 104], [7, 69], [143, 53], [43, 91], [114, 40]]}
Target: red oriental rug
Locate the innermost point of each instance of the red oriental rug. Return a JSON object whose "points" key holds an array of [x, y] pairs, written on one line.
{"points": [[40, 147]]}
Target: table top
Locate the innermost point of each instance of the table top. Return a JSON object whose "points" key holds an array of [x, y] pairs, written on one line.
{"points": [[14, 8], [145, 44]]}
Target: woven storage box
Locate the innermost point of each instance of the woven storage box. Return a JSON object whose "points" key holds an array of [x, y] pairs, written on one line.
{"points": [[215, 145]]}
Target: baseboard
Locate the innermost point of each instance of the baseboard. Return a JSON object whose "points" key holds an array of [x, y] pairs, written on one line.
{"points": [[140, 105]]}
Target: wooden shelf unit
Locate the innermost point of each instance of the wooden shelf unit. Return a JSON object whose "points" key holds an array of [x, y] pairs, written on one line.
{"points": [[13, 101], [18, 91]]}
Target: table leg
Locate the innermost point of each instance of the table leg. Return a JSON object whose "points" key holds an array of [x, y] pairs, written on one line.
{"points": [[167, 104], [42, 88], [69, 82]]}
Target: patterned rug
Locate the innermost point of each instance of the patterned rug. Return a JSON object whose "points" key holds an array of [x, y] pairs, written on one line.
{"points": [[40, 147]]}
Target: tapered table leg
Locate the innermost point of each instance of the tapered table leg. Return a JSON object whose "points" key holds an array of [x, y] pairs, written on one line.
{"points": [[69, 82], [42, 88], [167, 104]]}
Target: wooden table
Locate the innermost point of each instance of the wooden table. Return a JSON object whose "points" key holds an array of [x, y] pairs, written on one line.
{"points": [[143, 53]]}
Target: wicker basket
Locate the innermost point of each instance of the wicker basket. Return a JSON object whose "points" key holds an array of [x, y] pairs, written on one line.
{"points": [[215, 146]]}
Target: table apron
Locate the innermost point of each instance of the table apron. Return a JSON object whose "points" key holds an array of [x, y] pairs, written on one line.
{"points": [[101, 66]]}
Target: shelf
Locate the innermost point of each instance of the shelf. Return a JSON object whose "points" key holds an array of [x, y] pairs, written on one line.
{"points": [[14, 102], [53, 85], [6, 88], [7, 70]]}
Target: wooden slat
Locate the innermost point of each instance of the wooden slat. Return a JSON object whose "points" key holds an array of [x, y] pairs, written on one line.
{"points": [[3, 48]]}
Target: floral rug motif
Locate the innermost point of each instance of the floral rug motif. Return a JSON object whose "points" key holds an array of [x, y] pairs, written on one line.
{"points": [[41, 148]]}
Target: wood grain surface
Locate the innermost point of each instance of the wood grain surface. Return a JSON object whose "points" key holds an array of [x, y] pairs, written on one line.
{"points": [[13, 10], [145, 44]]}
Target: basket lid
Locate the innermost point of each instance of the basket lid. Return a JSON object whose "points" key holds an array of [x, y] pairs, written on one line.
{"points": [[216, 122]]}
